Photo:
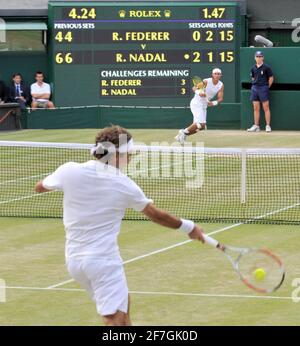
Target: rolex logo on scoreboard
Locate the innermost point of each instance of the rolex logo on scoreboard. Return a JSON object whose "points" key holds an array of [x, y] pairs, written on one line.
{"points": [[167, 13], [122, 13]]}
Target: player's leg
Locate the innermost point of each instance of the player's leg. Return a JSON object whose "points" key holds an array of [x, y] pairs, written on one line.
{"points": [[106, 285], [199, 123], [119, 318], [194, 128], [110, 290]]}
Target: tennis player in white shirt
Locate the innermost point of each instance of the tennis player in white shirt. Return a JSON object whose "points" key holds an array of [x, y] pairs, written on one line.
{"points": [[96, 195], [200, 102]]}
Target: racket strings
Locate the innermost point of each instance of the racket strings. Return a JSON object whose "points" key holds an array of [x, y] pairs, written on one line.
{"points": [[260, 271]]}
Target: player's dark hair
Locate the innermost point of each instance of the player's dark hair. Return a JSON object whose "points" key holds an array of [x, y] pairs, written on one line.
{"points": [[39, 72], [111, 135]]}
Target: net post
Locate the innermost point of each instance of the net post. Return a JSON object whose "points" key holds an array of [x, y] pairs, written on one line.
{"points": [[243, 176]]}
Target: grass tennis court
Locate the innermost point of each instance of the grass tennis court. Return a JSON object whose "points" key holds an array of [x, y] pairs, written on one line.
{"points": [[188, 284]]}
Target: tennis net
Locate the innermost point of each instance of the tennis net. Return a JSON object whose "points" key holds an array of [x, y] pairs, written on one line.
{"points": [[203, 184]]}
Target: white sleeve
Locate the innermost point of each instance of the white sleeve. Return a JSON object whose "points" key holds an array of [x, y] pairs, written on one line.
{"points": [[48, 89], [32, 89], [137, 199], [197, 91], [55, 180]]}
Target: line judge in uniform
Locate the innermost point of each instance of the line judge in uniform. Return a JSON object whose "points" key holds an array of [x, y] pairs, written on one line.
{"points": [[262, 80]]}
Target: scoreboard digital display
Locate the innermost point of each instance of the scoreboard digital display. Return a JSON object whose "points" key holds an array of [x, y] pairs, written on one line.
{"points": [[135, 53]]}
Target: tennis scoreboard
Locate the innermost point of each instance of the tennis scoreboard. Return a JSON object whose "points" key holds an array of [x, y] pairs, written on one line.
{"points": [[135, 53]]}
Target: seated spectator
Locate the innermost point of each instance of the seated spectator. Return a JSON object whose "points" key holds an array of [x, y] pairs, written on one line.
{"points": [[41, 93], [3, 93], [18, 91]]}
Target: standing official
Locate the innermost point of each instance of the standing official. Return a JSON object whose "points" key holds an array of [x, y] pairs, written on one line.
{"points": [[262, 79]]}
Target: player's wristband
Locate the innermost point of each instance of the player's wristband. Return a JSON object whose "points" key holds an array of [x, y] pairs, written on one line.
{"points": [[211, 241], [186, 226], [215, 103]]}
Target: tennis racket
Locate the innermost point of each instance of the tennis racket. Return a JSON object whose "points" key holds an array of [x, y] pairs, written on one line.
{"points": [[198, 83], [259, 269]]}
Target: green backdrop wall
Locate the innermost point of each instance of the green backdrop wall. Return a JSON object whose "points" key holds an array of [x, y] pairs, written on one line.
{"points": [[27, 63], [227, 116]]}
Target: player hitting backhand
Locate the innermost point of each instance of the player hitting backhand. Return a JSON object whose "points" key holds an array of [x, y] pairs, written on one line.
{"points": [[96, 195], [202, 99]]}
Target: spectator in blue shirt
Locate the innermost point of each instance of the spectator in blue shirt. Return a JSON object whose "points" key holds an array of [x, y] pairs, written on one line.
{"points": [[262, 79]]}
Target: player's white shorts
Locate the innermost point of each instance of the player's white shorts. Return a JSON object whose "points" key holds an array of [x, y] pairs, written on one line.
{"points": [[199, 113], [105, 282]]}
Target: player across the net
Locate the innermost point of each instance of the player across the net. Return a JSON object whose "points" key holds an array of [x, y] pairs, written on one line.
{"points": [[204, 92]]}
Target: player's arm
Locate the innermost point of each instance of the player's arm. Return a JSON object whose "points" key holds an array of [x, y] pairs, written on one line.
{"points": [[203, 94], [39, 188], [220, 98], [53, 181], [163, 218], [221, 95]]}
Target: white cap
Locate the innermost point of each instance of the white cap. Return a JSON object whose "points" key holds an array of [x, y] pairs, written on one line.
{"points": [[217, 70]]}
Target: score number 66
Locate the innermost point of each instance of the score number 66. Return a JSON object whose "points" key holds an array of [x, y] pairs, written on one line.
{"points": [[61, 58]]}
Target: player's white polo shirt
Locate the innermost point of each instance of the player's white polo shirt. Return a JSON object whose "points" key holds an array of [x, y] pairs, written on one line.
{"points": [[198, 103], [211, 91], [96, 196]]}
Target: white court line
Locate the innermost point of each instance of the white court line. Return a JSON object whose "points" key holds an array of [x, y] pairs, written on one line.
{"points": [[21, 179], [183, 294], [26, 197], [187, 241]]}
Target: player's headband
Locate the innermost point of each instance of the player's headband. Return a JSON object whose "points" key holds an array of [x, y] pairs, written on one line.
{"points": [[103, 148], [217, 70]]}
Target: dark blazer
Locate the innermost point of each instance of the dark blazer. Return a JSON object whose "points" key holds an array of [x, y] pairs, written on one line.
{"points": [[25, 92], [3, 92]]}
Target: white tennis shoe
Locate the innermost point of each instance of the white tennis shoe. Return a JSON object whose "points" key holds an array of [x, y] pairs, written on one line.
{"points": [[181, 137], [254, 128], [268, 128]]}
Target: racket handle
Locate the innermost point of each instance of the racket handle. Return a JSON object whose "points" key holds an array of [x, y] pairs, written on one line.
{"points": [[210, 241]]}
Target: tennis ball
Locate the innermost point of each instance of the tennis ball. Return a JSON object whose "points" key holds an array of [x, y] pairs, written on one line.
{"points": [[259, 274]]}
